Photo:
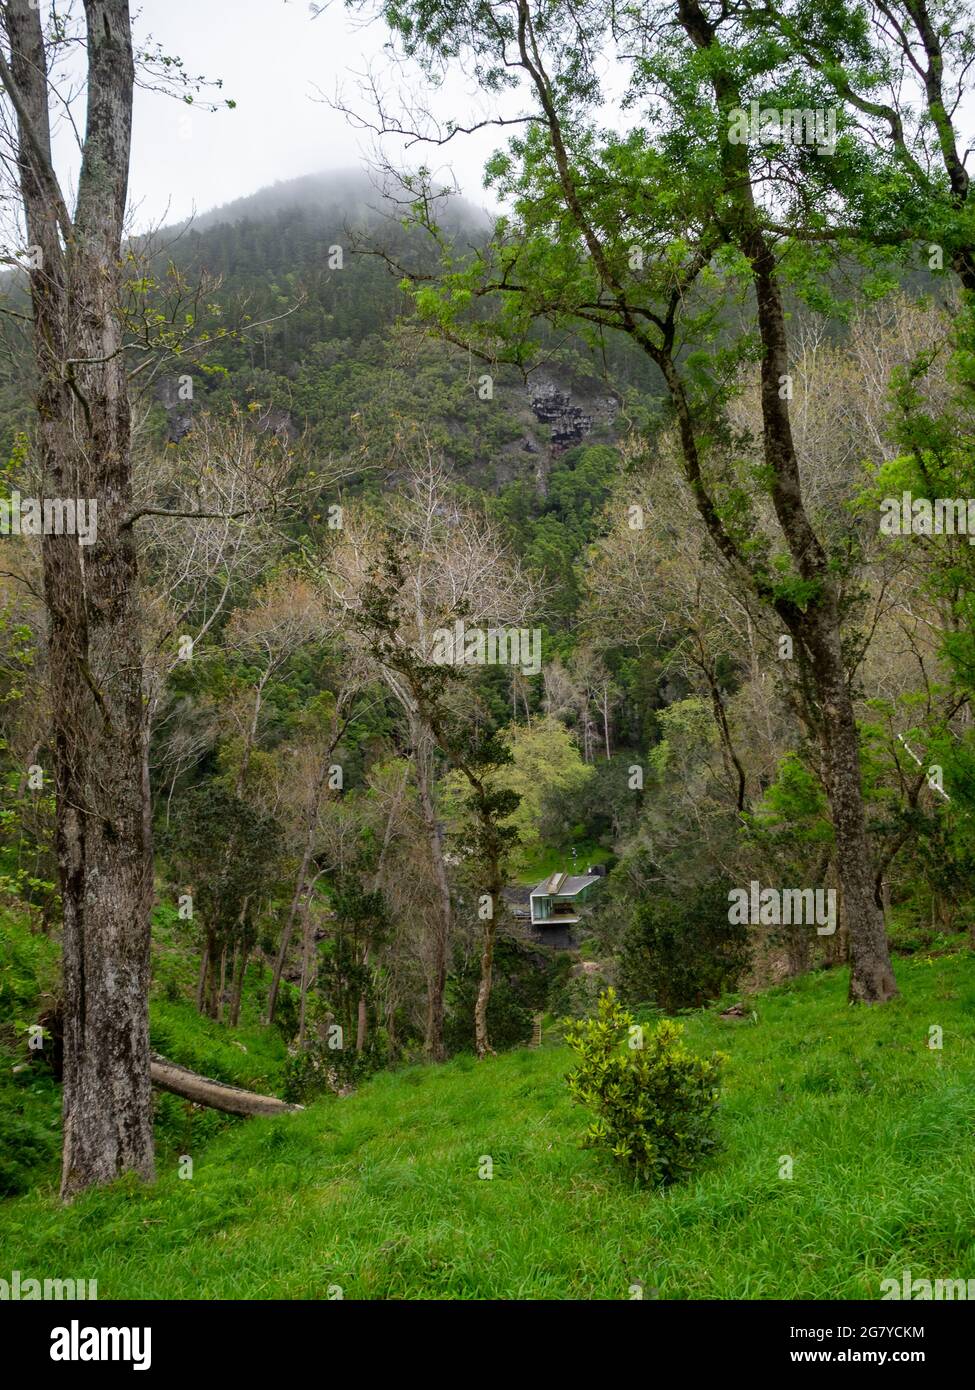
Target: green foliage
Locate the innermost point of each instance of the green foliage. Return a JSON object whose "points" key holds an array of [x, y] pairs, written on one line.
{"points": [[655, 1101], [573, 995], [793, 812], [359, 916], [27, 1148], [551, 532], [228, 849], [318, 1068], [679, 949], [939, 449], [287, 1009], [30, 1099], [607, 805], [28, 973], [545, 763], [521, 980], [27, 858], [687, 731]]}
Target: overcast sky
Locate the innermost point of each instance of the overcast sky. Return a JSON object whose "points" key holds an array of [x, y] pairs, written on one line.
{"points": [[272, 55], [276, 58]]}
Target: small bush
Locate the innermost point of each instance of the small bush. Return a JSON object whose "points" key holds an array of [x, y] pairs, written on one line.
{"points": [[575, 996], [317, 1069], [654, 1100]]}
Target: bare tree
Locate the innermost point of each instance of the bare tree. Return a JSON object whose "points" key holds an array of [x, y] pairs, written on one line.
{"points": [[450, 568], [316, 784]]}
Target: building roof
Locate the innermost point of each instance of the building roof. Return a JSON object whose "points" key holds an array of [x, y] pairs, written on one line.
{"points": [[564, 885]]}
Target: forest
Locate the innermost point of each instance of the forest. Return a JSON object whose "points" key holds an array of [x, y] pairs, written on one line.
{"points": [[486, 692]]}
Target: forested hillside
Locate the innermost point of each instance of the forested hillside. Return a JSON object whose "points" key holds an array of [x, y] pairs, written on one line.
{"points": [[432, 631]]}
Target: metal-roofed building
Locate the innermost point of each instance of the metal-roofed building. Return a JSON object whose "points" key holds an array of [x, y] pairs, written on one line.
{"points": [[555, 902]]}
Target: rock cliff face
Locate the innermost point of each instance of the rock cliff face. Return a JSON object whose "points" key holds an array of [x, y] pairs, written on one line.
{"points": [[552, 406], [570, 423], [571, 414]]}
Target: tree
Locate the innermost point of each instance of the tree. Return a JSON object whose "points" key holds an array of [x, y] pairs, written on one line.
{"points": [[231, 852], [899, 70], [431, 565], [545, 766], [95, 654], [653, 234], [320, 773], [90, 313]]}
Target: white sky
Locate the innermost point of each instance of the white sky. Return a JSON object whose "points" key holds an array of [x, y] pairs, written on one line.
{"points": [[275, 58], [271, 55]]}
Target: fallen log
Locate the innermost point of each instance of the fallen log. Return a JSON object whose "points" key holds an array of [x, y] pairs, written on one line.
{"points": [[216, 1094]]}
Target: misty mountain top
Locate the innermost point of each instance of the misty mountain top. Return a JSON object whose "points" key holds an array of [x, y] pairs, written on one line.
{"points": [[355, 194]]}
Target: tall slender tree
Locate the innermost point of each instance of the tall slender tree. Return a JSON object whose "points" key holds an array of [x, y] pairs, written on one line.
{"points": [[95, 653]]}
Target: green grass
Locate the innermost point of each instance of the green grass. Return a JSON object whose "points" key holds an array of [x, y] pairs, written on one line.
{"points": [[379, 1194], [30, 1099], [250, 1055], [532, 868]]}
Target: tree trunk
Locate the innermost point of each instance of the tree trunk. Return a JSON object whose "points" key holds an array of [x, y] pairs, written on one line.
{"points": [[215, 1094], [201, 982], [213, 976], [234, 962], [240, 974], [307, 942], [436, 989], [391, 1026], [362, 1018], [871, 976], [443, 915], [221, 994], [311, 820], [482, 1043], [94, 645], [797, 948], [817, 625]]}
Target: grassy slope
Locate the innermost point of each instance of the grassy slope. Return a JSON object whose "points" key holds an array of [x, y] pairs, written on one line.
{"points": [[379, 1193], [250, 1055], [531, 869]]}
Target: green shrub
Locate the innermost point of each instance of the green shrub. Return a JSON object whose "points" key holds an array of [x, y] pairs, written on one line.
{"points": [[680, 950], [287, 1009], [655, 1101], [317, 1069], [29, 971], [574, 996]]}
